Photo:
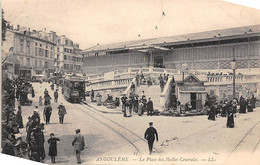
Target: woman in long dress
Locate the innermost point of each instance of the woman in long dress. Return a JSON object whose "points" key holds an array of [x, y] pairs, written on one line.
{"points": [[230, 116], [53, 147], [19, 118]]}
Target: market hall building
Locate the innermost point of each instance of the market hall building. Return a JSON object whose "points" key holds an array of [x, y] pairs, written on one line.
{"points": [[205, 51]]}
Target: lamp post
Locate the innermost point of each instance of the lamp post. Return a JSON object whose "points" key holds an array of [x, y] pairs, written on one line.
{"points": [[184, 67], [233, 67]]}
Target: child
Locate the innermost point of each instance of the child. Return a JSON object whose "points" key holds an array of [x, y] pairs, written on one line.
{"points": [[53, 147]]}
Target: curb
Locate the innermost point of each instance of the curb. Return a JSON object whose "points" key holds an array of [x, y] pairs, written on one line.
{"points": [[101, 110]]}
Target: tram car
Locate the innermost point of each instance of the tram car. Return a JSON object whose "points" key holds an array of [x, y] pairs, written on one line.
{"points": [[73, 88]]}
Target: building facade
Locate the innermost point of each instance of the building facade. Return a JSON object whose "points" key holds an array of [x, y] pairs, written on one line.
{"points": [[67, 56], [40, 52], [32, 52], [205, 51]]}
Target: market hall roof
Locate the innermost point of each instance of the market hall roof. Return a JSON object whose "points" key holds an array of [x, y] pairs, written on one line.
{"points": [[185, 38]]}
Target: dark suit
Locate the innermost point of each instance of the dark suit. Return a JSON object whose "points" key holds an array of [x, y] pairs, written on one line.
{"points": [[79, 145], [149, 135], [149, 106]]}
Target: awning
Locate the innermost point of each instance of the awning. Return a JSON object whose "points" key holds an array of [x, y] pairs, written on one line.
{"points": [[189, 89]]}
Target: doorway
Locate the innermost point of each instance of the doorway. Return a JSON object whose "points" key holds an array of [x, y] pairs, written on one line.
{"points": [[158, 62], [193, 98]]}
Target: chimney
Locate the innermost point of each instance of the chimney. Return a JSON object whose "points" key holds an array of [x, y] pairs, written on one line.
{"points": [[18, 27], [29, 32]]}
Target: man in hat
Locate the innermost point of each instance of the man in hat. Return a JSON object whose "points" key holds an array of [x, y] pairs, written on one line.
{"points": [[149, 135], [79, 144], [47, 113], [62, 111]]}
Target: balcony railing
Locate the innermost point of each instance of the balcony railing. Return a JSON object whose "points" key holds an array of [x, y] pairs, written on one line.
{"points": [[228, 79]]}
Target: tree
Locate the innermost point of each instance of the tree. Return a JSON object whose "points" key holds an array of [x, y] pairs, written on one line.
{"points": [[4, 22]]}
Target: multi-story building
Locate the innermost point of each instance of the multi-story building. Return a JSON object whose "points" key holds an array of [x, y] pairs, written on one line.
{"points": [[31, 51], [67, 56]]}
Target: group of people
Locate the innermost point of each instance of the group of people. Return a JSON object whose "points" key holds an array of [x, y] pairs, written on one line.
{"points": [[23, 88], [33, 145], [12, 120], [229, 109], [163, 80], [134, 104], [142, 80]]}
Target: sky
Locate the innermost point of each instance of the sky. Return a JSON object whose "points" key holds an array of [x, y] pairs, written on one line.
{"points": [[89, 22]]}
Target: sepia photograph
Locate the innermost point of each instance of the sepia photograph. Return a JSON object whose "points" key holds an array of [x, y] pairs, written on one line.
{"points": [[130, 82]]}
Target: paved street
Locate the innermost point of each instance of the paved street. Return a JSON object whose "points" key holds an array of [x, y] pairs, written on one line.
{"points": [[110, 135]]}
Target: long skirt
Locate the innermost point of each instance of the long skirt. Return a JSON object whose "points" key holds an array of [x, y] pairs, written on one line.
{"points": [[242, 109], [249, 109], [19, 120], [230, 121], [140, 110]]}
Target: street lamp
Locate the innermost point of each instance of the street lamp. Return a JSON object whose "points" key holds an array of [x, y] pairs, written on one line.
{"points": [[234, 67], [184, 67]]}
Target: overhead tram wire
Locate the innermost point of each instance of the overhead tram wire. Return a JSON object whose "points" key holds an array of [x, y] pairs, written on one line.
{"points": [[156, 27], [231, 16]]}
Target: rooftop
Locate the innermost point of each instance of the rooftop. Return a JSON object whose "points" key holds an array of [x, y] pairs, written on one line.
{"points": [[253, 29]]}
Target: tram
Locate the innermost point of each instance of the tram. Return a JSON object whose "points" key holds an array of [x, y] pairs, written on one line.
{"points": [[74, 88]]}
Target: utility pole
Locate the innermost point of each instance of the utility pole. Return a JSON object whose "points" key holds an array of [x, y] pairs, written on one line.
{"points": [[233, 66]]}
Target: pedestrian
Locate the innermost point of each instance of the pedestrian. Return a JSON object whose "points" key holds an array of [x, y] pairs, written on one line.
{"points": [[137, 78], [123, 99], [19, 118], [230, 116], [36, 115], [149, 135], [161, 84], [33, 94], [132, 88], [17, 93], [98, 96], [253, 101], [39, 137], [142, 95], [234, 104], [28, 128], [135, 104], [62, 111], [249, 106], [129, 106], [53, 141], [47, 113], [8, 146], [212, 112], [56, 96], [79, 144], [46, 92], [40, 101], [242, 105], [149, 107], [144, 107], [33, 150], [92, 95], [47, 99], [52, 86]]}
